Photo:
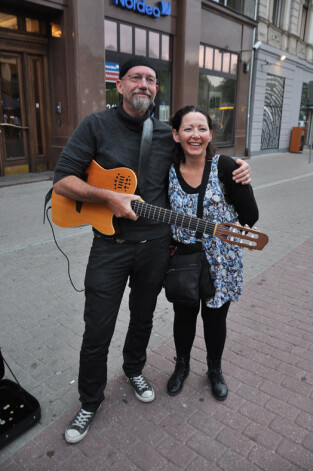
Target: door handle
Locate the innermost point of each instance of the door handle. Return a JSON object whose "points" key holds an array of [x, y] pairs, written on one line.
{"points": [[14, 126]]}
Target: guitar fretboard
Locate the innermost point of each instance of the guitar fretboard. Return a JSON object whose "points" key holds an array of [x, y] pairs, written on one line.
{"points": [[174, 218]]}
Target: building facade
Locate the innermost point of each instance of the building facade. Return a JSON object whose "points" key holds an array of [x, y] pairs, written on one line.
{"points": [[282, 72], [59, 60]]}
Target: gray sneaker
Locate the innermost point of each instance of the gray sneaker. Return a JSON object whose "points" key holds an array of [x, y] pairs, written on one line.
{"points": [[143, 390], [78, 427]]}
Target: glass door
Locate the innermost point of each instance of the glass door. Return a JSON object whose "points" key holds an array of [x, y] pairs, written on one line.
{"points": [[13, 123], [24, 113]]}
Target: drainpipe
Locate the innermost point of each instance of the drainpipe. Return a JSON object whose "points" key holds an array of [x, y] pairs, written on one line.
{"points": [[247, 150]]}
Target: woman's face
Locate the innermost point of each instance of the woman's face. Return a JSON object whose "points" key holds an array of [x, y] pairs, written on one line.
{"points": [[193, 134]]}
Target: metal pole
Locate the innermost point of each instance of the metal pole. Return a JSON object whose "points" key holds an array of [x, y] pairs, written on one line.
{"points": [[310, 136]]}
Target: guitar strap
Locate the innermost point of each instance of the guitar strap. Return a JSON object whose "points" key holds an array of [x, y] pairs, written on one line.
{"points": [[145, 145], [203, 185]]}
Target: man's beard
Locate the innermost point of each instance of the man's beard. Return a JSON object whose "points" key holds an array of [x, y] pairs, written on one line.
{"points": [[140, 104]]}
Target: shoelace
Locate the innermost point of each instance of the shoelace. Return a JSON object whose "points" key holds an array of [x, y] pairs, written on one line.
{"points": [[82, 418], [140, 382]]}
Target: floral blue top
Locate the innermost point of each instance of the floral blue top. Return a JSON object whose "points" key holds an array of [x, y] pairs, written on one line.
{"points": [[225, 260]]}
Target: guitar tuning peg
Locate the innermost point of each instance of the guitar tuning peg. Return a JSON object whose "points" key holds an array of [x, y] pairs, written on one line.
{"points": [[256, 229], [237, 223], [246, 225]]}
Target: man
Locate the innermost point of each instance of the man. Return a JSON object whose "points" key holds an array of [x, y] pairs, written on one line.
{"points": [[139, 253]]}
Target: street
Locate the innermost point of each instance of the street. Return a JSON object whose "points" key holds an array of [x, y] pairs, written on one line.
{"points": [[267, 421]]}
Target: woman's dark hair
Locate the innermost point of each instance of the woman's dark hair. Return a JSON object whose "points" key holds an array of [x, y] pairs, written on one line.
{"points": [[177, 119]]}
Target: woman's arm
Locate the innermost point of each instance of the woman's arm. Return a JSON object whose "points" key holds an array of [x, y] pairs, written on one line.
{"points": [[241, 196]]}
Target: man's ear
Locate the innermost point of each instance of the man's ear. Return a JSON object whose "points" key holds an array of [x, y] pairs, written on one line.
{"points": [[175, 135], [119, 86]]}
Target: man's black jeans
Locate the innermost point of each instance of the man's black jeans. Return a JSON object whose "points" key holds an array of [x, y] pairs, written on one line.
{"points": [[109, 267]]}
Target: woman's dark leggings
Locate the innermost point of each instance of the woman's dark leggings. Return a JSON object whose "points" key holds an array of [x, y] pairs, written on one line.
{"points": [[214, 326]]}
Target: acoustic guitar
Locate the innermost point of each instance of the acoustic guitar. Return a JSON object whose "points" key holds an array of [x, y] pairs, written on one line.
{"points": [[70, 213]]}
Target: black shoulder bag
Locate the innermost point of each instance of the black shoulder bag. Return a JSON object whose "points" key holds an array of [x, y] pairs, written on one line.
{"points": [[188, 278]]}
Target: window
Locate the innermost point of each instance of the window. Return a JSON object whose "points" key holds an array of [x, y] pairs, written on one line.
{"points": [[165, 47], [126, 43], [245, 7], [154, 45], [277, 13], [140, 42], [129, 39], [32, 26], [8, 21], [304, 17], [217, 97], [22, 23], [110, 35], [217, 90], [303, 117], [209, 54]]}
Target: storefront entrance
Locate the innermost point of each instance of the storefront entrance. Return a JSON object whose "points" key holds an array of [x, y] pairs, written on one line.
{"points": [[24, 113]]}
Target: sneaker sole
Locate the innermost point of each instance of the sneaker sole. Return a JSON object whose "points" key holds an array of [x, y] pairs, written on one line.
{"points": [[78, 439], [140, 398], [145, 399]]}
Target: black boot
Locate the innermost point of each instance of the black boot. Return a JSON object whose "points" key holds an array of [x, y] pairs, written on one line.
{"points": [[176, 382], [215, 375]]}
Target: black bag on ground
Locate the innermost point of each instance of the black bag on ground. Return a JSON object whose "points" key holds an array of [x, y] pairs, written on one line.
{"points": [[19, 410], [188, 278]]}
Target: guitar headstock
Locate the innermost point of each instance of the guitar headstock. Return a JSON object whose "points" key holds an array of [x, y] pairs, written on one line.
{"points": [[243, 236]]}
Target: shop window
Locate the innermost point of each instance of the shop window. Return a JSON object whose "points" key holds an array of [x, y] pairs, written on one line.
{"points": [[110, 35], [140, 42], [217, 90], [8, 21], [154, 45], [217, 97], [163, 97], [126, 43]]}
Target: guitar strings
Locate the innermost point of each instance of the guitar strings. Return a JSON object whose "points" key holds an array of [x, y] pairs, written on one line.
{"points": [[173, 217]]}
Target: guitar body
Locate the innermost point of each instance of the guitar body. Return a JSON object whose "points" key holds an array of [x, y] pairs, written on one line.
{"points": [[69, 213]]}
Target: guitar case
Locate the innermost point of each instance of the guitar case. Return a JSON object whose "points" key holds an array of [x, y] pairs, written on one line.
{"points": [[19, 410]]}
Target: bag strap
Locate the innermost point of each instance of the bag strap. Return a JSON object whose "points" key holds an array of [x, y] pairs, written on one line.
{"points": [[202, 189], [145, 145]]}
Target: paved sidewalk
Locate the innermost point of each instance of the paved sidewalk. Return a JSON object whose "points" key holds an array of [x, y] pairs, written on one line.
{"points": [[266, 423]]}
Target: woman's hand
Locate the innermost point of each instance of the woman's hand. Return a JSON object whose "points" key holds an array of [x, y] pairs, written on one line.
{"points": [[243, 173]]}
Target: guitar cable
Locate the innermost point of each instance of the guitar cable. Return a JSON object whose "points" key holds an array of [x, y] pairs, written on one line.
{"points": [[68, 261]]}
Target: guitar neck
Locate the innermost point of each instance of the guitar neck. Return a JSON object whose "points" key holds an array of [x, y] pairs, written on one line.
{"points": [[174, 218]]}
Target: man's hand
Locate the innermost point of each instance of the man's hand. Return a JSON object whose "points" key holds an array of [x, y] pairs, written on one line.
{"points": [[120, 204], [243, 173]]}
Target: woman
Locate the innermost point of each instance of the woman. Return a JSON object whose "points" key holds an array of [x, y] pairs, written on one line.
{"points": [[224, 201]]}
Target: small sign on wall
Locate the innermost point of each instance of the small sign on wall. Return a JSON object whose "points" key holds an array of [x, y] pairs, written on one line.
{"points": [[112, 70]]}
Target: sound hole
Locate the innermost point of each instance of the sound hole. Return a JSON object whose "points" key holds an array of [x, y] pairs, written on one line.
{"points": [[122, 183]]}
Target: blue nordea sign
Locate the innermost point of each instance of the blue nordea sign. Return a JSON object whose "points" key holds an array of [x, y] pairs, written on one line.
{"points": [[163, 8]]}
